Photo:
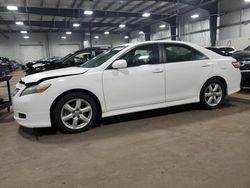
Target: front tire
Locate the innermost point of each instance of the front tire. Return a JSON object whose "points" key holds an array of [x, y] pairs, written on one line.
{"points": [[75, 112], [212, 94]]}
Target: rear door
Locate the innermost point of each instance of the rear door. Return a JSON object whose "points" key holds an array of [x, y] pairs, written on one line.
{"points": [[186, 69]]}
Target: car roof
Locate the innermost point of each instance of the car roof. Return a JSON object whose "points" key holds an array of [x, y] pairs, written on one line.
{"points": [[157, 42], [90, 49]]}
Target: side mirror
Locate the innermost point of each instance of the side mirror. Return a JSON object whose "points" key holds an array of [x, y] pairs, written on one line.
{"points": [[120, 64]]}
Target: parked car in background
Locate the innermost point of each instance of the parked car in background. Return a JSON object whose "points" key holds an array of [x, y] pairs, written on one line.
{"points": [[11, 65], [218, 51], [71, 60], [129, 78], [3, 70], [228, 50], [243, 57]]}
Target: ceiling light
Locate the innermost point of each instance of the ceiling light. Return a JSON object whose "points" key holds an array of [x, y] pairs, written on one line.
{"points": [[26, 37], [63, 37], [122, 25], [23, 32], [96, 37], [76, 25], [68, 32], [19, 23], [88, 12], [126, 37], [12, 7], [106, 33], [141, 32], [247, 1], [195, 16], [146, 14], [162, 26]]}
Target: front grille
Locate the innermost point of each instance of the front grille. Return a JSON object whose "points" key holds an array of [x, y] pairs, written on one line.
{"points": [[245, 65]]}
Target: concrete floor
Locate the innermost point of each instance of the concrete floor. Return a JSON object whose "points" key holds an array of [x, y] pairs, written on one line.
{"points": [[174, 147]]}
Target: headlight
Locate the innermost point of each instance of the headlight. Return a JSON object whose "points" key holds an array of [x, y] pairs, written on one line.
{"points": [[35, 89]]}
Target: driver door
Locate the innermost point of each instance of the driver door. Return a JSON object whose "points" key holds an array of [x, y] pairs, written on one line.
{"points": [[141, 83]]}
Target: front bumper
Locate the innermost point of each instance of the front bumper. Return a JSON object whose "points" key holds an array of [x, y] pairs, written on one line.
{"points": [[245, 81], [32, 111]]}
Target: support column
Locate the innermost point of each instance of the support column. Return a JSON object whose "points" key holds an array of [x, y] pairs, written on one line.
{"points": [[173, 27], [147, 32], [47, 45], [213, 12]]}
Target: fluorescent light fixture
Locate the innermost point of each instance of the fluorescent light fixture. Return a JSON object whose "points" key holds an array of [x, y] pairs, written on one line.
{"points": [[106, 33], [126, 37], [141, 32], [146, 14], [88, 12], [248, 1], [12, 7], [195, 16], [19, 23], [23, 32], [63, 37], [162, 26], [68, 32], [26, 37], [122, 25], [76, 25], [96, 37]]}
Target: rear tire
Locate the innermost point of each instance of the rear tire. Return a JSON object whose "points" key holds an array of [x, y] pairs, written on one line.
{"points": [[75, 112], [212, 94]]}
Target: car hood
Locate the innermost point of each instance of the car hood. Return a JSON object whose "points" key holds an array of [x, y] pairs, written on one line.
{"points": [[241, 55], [39, 77]]}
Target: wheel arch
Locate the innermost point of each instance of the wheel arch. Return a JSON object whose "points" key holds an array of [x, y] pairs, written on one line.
{"points": [[72, 91], [221, 79]]}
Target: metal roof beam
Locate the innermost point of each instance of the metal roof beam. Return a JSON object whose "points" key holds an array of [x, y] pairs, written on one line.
{"points": [[66, 25], [76, 13]]}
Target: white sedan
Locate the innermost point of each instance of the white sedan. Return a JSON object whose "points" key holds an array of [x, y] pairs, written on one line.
{"points": [[125, 79]]}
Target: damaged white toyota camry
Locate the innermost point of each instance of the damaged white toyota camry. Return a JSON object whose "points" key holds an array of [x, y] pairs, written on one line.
{"points": [[126, 79]]}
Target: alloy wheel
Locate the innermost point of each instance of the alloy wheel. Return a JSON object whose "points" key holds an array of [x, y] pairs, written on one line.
{"points": [[213, 94], [76, 113]]}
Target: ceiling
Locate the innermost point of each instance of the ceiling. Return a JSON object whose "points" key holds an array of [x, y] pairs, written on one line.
{"points": [[59, 15]]}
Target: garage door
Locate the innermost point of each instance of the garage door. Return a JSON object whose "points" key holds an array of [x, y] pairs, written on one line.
{"points": [[67, 48], [31, 53]]}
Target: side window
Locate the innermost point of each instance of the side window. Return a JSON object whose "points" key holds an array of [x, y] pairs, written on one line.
{"points": [[178, 53], [143, 55]]}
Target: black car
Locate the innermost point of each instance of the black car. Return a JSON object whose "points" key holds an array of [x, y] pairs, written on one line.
{"points": [[74, 59], [244, 59]]}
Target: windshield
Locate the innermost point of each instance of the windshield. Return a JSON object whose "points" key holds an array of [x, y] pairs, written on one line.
{"points": [[102, 58], [64, 58]]}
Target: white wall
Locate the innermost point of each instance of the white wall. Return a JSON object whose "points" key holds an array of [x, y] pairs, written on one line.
{"points": [[160, 34], [234, 23], [136, 37], [51, 43], [196, 32]]}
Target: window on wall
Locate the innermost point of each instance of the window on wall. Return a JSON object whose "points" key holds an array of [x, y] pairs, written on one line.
{"points": [[143, 55], [180, 53]]}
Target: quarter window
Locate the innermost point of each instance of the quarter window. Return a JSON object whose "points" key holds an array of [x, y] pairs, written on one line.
{"points": [[179, 53], [143, 55]]}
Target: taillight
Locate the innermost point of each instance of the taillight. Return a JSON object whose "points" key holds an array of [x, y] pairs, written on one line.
{"points": [[236, 64]]}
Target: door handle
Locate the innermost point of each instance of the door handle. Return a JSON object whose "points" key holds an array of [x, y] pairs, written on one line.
{"points": [[206, 65], [157, 71]]}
